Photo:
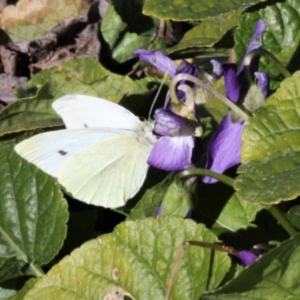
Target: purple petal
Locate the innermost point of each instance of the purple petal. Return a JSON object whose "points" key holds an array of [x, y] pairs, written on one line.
{"points": [[158, 212], [224, 150], [186, 68], [263, 81], [246, 257], [232, 82], [217, 71], [166, 123], [172, 153], [158, 60], [256, 42]]}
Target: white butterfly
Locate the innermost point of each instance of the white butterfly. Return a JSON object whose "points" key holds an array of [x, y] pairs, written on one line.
{"points": [[101, 158]]}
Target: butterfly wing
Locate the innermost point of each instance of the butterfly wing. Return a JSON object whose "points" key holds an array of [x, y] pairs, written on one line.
{"points": [[49, 151], [81, 111], [107, 173], [101, 158]]}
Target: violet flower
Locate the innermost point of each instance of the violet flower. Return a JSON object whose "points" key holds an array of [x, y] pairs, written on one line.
{"points": [[167, 65], [246, 257], [173, 150], [224, 150]]}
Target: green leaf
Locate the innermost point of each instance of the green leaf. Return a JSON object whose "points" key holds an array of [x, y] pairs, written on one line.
{"points": [[270, 169], [31, 19], [6, 293], [22, 292], [177, 198], [129, 43], [237, 214], [83, 76], [170, 196], [136, 260], [151, 201], [209, 32], [273, 276], [9, 268], [192, 10], [86, 70], [33, 216], [72, 77], [281, 37], [126, 29], [28, 114], [293, 216]]}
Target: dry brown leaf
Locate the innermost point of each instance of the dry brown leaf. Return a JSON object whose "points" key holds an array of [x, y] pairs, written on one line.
{"points": [[8, 83], [72, 38], [30, 19]]}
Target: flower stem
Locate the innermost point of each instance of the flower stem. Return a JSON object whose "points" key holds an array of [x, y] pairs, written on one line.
{"points": [[270, 57], [176, 79], [274, 210], [204, 172], [282, 220]]}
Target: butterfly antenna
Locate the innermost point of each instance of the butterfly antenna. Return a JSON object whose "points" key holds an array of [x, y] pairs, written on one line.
{"points": [[158, 91]]}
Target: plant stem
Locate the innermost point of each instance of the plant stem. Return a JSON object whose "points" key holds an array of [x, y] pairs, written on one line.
{"points": [[282, 220], [274, 210], [36, 271], [270, 57], [204, 172], [176, 79]]}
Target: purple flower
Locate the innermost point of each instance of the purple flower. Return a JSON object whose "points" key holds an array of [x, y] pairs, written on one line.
{"points": [[157, 59], [167, 65], [173, 150], [224, 150], [158, 212], [246, 257]]}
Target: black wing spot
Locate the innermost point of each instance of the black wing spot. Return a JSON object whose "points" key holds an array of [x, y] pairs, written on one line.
{"points": [[62, 152]]}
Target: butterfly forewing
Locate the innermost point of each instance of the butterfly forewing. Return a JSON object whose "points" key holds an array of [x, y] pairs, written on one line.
{"points": [[81, 111], [101, 158], [51, 150]]}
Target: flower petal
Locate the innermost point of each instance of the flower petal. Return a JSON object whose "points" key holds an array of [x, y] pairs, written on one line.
{"points": [[263, 81], [256, 42], [158, 60], [246, 257], [166, 123], [158, 212], [232, 82], [172, 153], [217, 70], [186, 68], [224, 150]]}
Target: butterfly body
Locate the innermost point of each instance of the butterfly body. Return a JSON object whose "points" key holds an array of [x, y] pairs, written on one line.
{"points": [[101, 158]]}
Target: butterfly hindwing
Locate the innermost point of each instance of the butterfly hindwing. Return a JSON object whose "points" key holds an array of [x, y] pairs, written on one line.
{"points": [[108, 173], [101, 158]]}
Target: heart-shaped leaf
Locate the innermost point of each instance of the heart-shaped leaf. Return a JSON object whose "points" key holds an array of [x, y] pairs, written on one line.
{"points": [[193, 9], [135, 261], [33, 216], [270, 169], [273, 276]]}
